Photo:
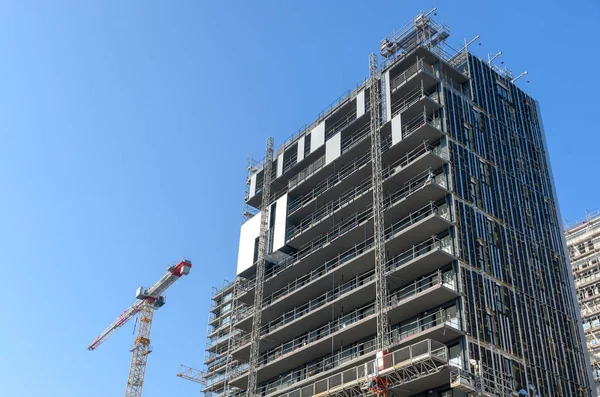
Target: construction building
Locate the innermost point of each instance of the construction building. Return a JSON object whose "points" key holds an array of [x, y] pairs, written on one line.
{"points": [[406, 243], [583, 241]]}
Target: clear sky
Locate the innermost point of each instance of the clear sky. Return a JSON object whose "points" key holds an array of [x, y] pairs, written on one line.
{"points": [[125, 127]]}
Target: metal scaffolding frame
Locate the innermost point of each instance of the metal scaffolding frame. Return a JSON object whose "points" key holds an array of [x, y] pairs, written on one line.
{"points": [[378, 220], [260, 269]]}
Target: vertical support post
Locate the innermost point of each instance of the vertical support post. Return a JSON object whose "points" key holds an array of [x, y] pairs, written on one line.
{"points": [[260, 269], [230, 340], [378, 221], [139, 352]]}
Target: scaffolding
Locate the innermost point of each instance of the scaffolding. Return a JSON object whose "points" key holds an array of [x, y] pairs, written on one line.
{"points": [[260, 269], [378, 221]]}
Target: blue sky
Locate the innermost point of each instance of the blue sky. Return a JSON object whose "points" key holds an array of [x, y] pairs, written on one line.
{"points": [[125, 128]]}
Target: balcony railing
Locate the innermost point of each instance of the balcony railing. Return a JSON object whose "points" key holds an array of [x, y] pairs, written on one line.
{"points": [[413, 97], [355, 138], [316, 335], [359, 375], [328, 266], [444, 244], [324, 211], [415, 217], [587, 279], [396, 298], [421, 325], [356, 191], [411, 71], [325, 364], [418, 287], [306, 173], [358, 249], [317, 302], [322, 186], [340, 124], [417, 122], [411, 156]]}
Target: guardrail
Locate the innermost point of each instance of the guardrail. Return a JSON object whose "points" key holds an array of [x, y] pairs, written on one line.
{"points": [[360, 376]]}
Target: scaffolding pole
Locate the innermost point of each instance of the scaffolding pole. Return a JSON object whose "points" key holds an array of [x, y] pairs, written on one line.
{"points": [[378, 221], [230, 338], [260, 269]]}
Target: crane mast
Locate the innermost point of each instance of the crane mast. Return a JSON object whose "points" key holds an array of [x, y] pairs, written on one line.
{"points": [[147, 301]]}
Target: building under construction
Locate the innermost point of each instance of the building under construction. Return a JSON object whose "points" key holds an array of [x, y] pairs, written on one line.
{"points": [[583, 241], [406, 243]]}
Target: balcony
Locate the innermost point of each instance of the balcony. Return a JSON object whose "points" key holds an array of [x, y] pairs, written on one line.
{"points": [[354, 143], [415, 102], [411, 299], [410, 171], [344, 266], [330, 187], [343, 358], [347, 329], [442, 325], [424, 222], [587, 279], [410, 370], [415, 131], [355, 293], [413, 164], [417, 75], [358, 195], [421, 259]]}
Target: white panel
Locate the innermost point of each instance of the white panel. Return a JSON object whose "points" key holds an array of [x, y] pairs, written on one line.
{"points": [[396, 129], [300, 156], [248, 234], [333, 148], [280, 222], [252, 185], [279, 165], [360, 104], [317, 137], [388, 99]]}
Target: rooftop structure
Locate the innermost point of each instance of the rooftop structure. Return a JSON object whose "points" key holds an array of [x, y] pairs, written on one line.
{"points": [[405, 243]]}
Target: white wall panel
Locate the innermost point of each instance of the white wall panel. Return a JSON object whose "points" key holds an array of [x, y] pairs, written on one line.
{"points": [[248, 234], [279, 165], [396, 129], [360, 104], [280, 222], [333, 148], [388, 99], [300, 149], [317, 137], [252, 185]]}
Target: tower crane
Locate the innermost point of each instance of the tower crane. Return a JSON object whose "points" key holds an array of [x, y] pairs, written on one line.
{"points": [[147, 300]]}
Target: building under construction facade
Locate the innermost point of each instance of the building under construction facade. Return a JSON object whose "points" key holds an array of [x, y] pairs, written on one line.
{"points": [[406, 243], [583, 241]]}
